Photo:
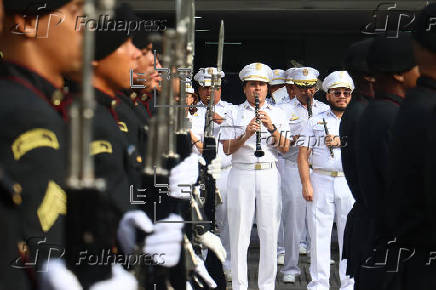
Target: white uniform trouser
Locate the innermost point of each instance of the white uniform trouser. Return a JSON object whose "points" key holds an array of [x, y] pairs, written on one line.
{"points": [[294, 215], [221, 215], [331, 196], [281, 238], [253, 191]]}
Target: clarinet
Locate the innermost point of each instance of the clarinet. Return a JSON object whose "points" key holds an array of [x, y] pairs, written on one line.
{"points": [[259, 152]]}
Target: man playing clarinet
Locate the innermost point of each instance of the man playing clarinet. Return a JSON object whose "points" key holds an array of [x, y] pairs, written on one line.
{"points": [[254, 181]]}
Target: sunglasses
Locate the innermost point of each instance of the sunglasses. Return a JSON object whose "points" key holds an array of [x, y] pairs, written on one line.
{"points": [[339, 93]]}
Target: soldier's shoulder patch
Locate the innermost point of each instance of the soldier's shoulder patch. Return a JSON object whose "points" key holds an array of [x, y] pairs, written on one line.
{"points": [[123, 127], [100, 146], [33, 139], [53, 204]]}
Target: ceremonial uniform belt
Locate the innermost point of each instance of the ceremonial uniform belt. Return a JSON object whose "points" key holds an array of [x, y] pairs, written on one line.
{"points": [[329, 173], [255, 166]]}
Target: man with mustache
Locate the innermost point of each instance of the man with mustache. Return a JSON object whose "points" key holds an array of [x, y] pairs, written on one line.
{"points": [[294, 205]]}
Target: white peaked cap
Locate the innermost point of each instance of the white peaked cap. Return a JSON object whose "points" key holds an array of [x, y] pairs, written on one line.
{"points": [[278, 77], [204, 76], [256, 72], [338, 79], [305, 76], [289, 76]]}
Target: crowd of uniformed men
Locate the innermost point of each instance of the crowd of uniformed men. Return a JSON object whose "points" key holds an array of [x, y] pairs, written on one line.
{"points": [[363, 158]]}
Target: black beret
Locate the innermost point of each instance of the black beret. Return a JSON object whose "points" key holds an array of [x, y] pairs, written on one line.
{"points": [[355, 58], [424, 31], [391, 55], [32, 7], [144, 38], [115, 32]]}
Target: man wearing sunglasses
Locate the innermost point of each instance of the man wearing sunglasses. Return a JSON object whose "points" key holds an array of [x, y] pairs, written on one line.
{"points": [[294, 206], [326, 188]]}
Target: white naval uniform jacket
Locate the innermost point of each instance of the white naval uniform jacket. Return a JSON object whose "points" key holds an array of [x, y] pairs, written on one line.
{"points": [[297, 117], [313, 136], [236, 123]]}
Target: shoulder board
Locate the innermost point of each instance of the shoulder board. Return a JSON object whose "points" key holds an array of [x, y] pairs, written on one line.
{"points": [[33, 139], [100, 146], [123, 127]]}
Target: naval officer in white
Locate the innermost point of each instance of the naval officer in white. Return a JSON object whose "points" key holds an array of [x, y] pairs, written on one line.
{"points": [[294, 206], [253, 183], [204, 79], [326, 188]]}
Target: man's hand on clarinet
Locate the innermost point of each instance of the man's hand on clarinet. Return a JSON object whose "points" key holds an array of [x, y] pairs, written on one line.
{"points": [[266, 120], [252, 127]]}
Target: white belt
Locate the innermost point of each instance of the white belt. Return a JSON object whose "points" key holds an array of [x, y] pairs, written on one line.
{"points": [[255, 166], [329, 173]]}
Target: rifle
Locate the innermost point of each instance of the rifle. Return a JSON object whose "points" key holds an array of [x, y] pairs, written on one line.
{"points": [[210, 145], [161, 157], [212, 263], [185, 19], [86, 197]]}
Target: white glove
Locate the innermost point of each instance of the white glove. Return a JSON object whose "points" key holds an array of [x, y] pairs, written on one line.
{"points": [[185, 173], [121, 279], [214, 168], [188, 286], [58, 277], [203, 273], [213, 243], [127, 229], [166, 240]]}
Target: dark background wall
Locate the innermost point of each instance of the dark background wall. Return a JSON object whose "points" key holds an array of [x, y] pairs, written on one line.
{"points": [[313, 36]]}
